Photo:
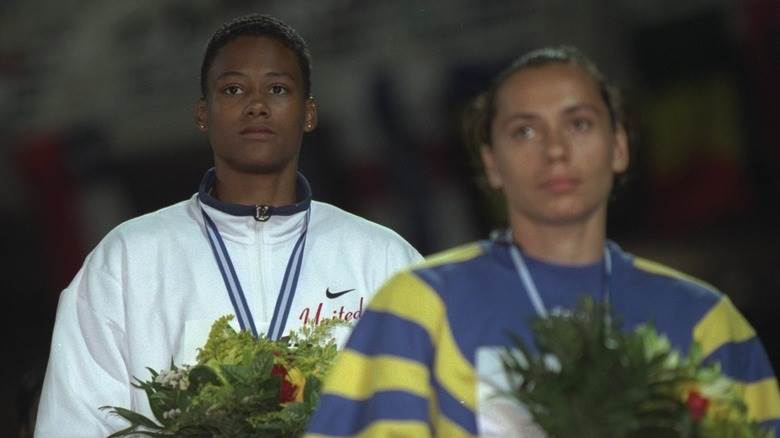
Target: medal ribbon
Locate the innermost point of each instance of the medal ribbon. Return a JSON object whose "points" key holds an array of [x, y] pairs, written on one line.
{"points": [[530, 286], [233, 285]]}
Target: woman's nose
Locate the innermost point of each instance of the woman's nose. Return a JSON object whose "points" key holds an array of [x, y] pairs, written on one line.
{"points": [[558, 145], [257, 108]]}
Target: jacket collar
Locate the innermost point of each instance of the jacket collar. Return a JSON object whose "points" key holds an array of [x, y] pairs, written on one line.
{"points": [[240, 223], [259, 212]]}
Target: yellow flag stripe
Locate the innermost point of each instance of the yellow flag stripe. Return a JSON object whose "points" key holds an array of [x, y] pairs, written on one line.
{"points": [[722, 324], [359, 377], [657, 268], [762, 399], [454, 255], [408, 297], [449, 429]]}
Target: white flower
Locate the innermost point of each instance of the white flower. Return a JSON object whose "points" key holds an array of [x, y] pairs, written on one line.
{"points": [[174, 379], [552, 363], [173, 413], [164, 377], [561, 312]]}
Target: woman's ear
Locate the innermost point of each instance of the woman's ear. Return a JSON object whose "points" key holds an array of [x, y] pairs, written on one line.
{"points": [[620, 152], [201, 115], [490, 166], [310, 115]]}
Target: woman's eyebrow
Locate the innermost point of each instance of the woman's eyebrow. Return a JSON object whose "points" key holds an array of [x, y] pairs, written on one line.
{"points": [[229, 73], [582, 107], [520, 115], [280, 74]]}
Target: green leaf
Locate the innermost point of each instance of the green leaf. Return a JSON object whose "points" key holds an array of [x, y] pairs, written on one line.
{"points": [[201, 375], [125, 432], [133, 417]]}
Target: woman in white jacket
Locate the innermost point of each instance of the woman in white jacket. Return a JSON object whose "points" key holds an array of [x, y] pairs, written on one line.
{"points": [[251, 242]]}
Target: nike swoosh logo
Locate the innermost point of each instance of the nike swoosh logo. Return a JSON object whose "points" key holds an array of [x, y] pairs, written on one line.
{"points": [[332, 295]]}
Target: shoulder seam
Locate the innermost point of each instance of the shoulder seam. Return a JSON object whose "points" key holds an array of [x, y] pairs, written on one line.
{"points": [[458, 254], [365, 224], [656, 268]]}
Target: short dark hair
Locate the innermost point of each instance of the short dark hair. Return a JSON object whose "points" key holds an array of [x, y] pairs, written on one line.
{"points": [[260, 26]]}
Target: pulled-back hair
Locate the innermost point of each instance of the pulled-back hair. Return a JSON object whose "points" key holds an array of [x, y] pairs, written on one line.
{"points": [[482, 111], [480, 114]]}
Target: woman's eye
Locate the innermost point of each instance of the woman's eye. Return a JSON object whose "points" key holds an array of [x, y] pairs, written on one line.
{"points": [[232, 90], [279, 89], [524, 133], [582, 125]]}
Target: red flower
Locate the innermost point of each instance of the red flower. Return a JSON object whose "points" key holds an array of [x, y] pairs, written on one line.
{"points": [[287, 391], [697, 405]]}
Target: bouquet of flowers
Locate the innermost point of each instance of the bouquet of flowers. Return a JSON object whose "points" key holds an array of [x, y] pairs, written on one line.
{"points": [[241, 386], [590, 379]]}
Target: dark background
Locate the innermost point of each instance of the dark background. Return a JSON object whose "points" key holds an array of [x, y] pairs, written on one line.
{"points": [[96, 104]]}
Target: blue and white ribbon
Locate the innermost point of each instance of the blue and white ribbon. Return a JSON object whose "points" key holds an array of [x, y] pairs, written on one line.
{"points": [[289, 285], [530, 285], [233, 285]]}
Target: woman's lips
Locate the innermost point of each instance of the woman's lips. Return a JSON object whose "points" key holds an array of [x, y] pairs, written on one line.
{"points": [[257, 132], [560, 185]]}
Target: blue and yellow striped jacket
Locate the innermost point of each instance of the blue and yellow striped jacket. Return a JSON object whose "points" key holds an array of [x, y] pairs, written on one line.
{"points": [[408, 368]]}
